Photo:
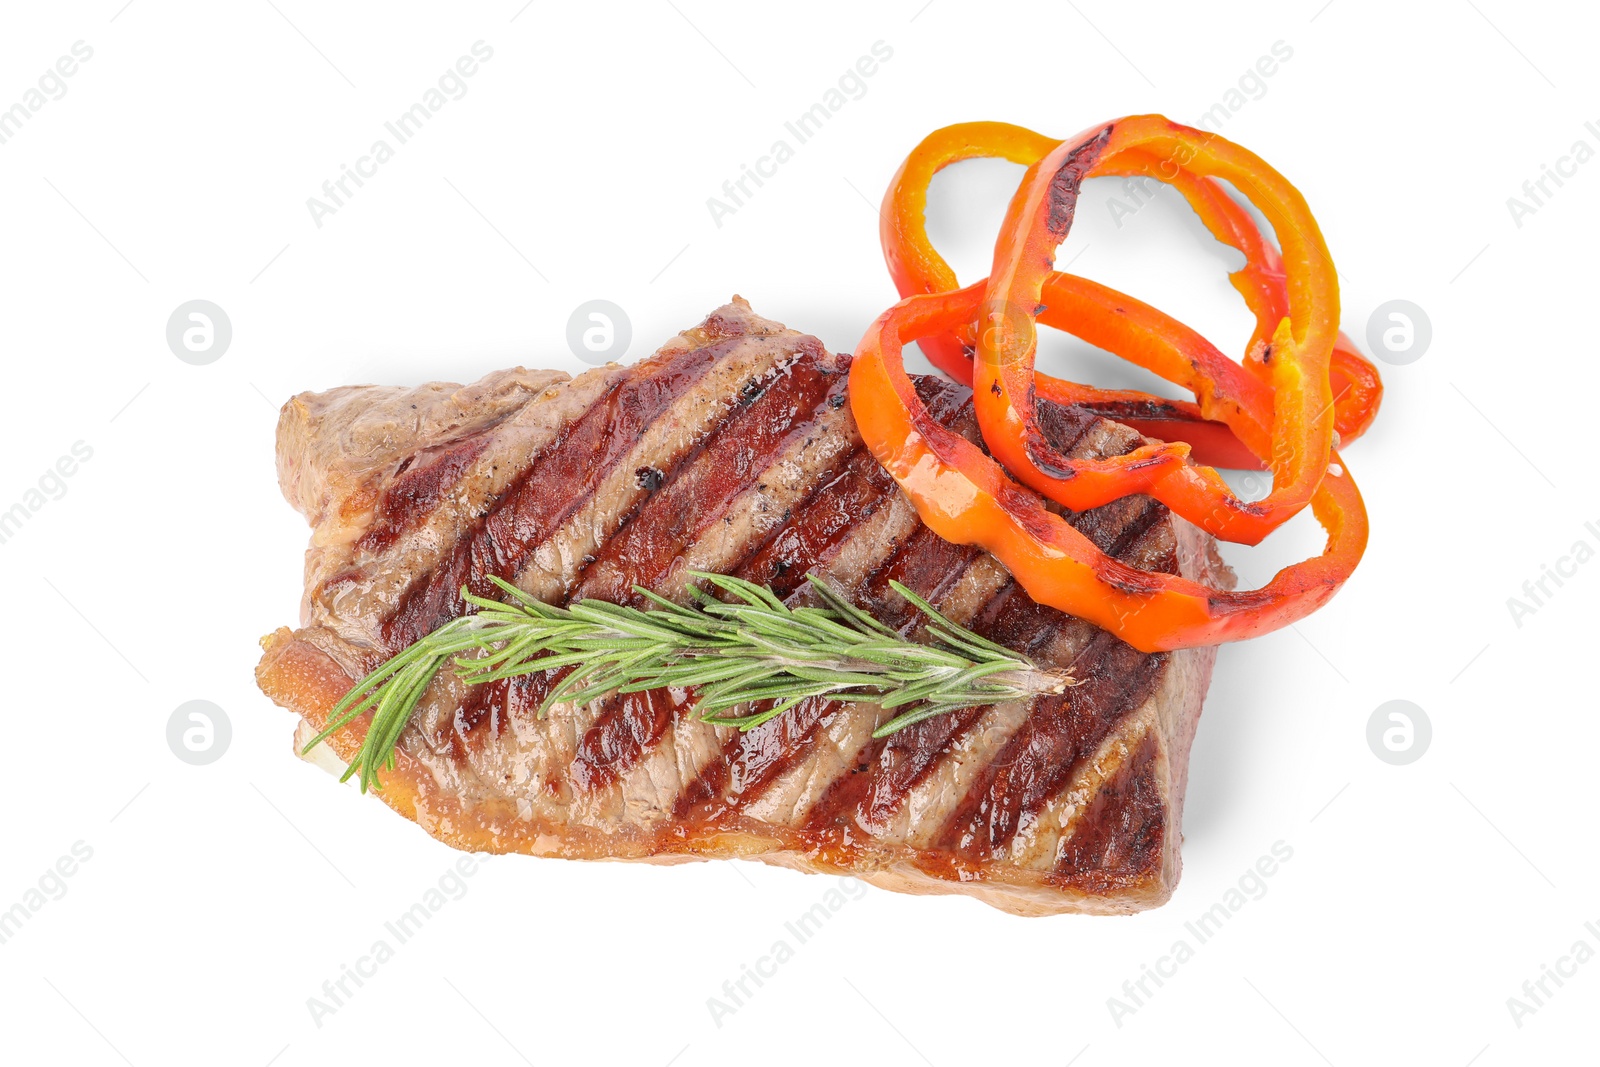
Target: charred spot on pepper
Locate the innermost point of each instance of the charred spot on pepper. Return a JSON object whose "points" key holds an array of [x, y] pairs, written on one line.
{"points": [[1153, 408], [1062, 198], [1125, 579]]}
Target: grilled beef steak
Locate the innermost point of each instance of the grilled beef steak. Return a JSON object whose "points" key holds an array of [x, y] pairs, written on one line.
{"points": [[733, 450]]}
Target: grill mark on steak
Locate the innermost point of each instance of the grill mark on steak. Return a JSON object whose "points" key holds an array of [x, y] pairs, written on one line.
{"points": [[549, 489], [625, 728], [824, 520], [721, 467], [752, 760], [884, 775], [790, 385], [644, 550], [781, 408], [1064, 427], [641, 551], [1136, 528], [926, 564], [419, 484], [1118, 839], [581, 455], [819, 524], [1113, 679], [879, 780]]}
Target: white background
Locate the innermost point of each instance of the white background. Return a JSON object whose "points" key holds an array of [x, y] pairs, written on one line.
{"points": [[578, 164]]}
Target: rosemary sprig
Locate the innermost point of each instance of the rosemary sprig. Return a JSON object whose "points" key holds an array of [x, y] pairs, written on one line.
{"points": [[749, 650]]}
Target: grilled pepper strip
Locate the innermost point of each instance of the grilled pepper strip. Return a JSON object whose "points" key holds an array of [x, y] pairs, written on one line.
{"points": [[917, 267], [966, 497], [1299, 351], [1160, 344], [914, 264], [1357, 389]]}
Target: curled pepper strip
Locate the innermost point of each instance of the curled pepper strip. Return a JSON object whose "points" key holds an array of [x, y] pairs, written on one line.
{"points": [[914, 264], [1299, 351], [1253, 414], [1261, 281], [917, 267], [967, 498]]}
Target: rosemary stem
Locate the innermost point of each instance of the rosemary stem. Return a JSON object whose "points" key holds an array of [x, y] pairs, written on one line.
{"points": [[748, 653]]}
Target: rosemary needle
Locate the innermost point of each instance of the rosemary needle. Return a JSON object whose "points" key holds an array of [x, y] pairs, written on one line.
{"points": [[750, 652]]}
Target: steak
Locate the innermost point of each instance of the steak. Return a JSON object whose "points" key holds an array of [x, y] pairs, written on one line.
{"points": [[732, 449]]}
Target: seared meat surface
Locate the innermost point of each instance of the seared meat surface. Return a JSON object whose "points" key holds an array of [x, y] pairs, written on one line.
{"points": [[732, 449]]}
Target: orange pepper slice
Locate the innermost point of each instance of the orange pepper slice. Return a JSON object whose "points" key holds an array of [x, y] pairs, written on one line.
{"points": [[1277, 410], [967, 498], [917, 267]]}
